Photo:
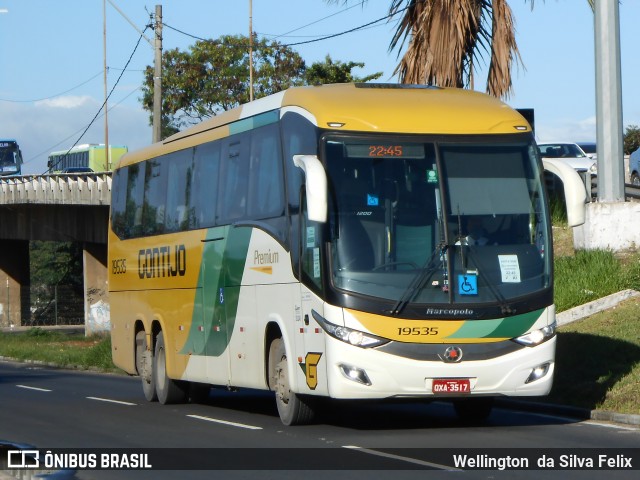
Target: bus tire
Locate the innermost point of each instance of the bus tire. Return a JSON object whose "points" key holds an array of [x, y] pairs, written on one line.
{"points": [[169, 390], [293, 409], [144, 366], [473, 409]]}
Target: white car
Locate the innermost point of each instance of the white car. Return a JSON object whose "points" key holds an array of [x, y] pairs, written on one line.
{"points": [[589, 148], [571, 154]]}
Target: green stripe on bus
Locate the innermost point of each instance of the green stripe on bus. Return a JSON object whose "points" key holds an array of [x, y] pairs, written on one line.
{"points": [[223, 260], [509, 327], [254, 122]]}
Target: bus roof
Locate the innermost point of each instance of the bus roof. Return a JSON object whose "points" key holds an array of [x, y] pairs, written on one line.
{"points": [[369, 107]]}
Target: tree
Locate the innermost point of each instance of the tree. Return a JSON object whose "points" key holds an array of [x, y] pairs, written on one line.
{"points": [[631, 139], [446, 39], [213, 76], [320, 73], [56, 282], [55, 263]]}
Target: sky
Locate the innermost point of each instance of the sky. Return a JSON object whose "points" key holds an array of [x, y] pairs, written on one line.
{"points": [[51, 76]]}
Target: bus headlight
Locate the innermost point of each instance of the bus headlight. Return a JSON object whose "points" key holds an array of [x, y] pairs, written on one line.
{"points": [[537, 337], [348, 335]]}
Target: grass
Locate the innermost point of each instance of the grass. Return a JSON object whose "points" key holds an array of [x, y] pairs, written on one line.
{"points": [[598, 358], [65, 350], [598, 361]]}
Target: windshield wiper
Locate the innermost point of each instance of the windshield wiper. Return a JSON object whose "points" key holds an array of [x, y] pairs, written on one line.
{"points": [[419, 280]]}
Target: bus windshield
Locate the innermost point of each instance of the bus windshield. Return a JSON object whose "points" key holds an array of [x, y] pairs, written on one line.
{"points": [[10, 158], [436, 222]]}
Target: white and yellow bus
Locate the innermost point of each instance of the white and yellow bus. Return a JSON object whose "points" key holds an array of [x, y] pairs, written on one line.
{"points": [[356, 241]]}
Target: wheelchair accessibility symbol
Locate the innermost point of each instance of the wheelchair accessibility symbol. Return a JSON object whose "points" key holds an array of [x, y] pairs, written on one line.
{"points": [[467, 284]]}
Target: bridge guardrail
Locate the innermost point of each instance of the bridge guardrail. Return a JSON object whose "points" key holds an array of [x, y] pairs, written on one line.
{"points": [[74, 188]]}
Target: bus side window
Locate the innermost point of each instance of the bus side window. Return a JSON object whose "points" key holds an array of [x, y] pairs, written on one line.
{"points": [[178, 190], [135, 192], [311, 251], [119, 202], [234, 182], [155, 187], [266, 192], [205, 178]]}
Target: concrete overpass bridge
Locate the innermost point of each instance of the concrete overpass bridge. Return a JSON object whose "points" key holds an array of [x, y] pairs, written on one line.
{"points": [[71, 207]]}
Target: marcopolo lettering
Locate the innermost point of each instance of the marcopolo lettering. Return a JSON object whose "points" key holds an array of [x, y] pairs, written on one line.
{"points": [[165, 261]]}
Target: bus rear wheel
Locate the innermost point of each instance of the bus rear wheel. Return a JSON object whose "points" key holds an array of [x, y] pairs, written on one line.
{"points": [[144, 366], [169, 390], [293, 409]]}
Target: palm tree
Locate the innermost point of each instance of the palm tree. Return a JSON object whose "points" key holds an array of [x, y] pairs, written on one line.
{"points": [[447, 37]]}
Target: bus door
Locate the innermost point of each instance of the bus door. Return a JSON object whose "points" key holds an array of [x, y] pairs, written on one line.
{"points": [[310, 339], [214, 298], [310, 345]]}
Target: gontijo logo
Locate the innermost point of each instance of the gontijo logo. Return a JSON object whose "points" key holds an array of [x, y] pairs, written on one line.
{"points": [[165, 261]]}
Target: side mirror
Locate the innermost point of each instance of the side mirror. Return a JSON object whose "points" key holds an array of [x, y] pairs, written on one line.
{"points": [[575, 193], [315, 186]]}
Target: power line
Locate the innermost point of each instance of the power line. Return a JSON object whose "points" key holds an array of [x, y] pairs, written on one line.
{"points": [[325, 37], [361, 27], [103, 103], [317, 21], [51, 148], [52, 96]]}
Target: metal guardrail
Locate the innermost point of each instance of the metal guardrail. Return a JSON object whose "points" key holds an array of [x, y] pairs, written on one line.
{"points": [[631, 192]]}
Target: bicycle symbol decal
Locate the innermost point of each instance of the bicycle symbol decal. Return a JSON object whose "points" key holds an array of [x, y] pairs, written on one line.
{"points": [[468, 284]]}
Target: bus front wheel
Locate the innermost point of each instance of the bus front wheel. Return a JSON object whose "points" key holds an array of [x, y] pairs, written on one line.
{"points": [[169, 390], [293, 409], [144, 366]]}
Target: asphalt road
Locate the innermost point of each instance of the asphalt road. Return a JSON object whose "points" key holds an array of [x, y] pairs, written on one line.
{"points": [[239, 435]]}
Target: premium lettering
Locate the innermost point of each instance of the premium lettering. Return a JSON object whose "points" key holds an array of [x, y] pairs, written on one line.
{"points": [[265, 258], [165, 261]]}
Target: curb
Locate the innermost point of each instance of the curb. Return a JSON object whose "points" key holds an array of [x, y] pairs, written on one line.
{"points": [[596, 306], [571, 412]]}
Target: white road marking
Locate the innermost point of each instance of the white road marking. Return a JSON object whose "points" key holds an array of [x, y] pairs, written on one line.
{"points": [[111, 401], [402, 459], [34, 388], [224, 422]]}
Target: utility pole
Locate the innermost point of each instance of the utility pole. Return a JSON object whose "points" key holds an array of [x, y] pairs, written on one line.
{"points": [[107, 159], [251, 50], [609, 102], [157, 77]]}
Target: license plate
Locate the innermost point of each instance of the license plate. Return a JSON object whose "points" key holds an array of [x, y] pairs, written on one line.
{"points": [[451, 385]]}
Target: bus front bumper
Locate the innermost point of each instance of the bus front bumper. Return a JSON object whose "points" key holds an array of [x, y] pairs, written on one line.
{"points": [[355, 372]]}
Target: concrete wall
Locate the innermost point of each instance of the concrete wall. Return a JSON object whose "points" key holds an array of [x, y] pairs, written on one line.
{"points": [[96, 289], [14, 282], [609, 226]]}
